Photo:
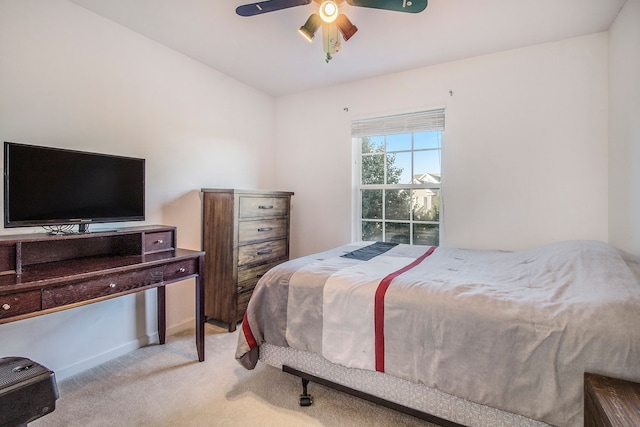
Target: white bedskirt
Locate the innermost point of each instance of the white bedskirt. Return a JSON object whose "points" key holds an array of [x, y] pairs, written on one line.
{"points": [[397, 390]]}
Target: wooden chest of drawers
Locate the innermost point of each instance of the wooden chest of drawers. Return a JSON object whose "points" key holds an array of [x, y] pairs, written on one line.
{"points": [[245, 233]]}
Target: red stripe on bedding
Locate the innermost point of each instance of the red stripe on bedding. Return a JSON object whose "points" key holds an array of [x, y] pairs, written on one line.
{"points": [[248, 335], [379, 307]]}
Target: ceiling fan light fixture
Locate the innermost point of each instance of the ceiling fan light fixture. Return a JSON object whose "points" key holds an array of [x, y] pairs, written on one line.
{"points": [[328, 11], [330, 40], [333, 23], [308, 30], [346, 27]]}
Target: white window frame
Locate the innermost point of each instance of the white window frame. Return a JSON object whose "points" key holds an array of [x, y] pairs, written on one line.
{"points": [[409, 123]]}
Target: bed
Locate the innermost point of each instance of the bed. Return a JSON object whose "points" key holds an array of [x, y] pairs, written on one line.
{"points": [[476, 337]]}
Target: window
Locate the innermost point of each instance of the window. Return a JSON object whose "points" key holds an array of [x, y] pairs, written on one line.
{"points": [[399, 177]]}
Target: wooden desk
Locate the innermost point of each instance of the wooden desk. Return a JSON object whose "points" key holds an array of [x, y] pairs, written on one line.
{"points": [[41, 273], [610, 402]]}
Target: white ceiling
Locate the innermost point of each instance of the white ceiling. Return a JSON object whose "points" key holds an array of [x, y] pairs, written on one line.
{"points": [[266, 51]]}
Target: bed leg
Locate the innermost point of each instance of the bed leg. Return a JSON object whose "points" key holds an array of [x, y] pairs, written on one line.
{"points": [[305, 398]]}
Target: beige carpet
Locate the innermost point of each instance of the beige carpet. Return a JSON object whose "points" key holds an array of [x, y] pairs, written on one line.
{"points": [[166, 386]]}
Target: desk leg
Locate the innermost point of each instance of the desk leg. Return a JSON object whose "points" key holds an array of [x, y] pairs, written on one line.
{"points": [[200, 318], [162, 314]]}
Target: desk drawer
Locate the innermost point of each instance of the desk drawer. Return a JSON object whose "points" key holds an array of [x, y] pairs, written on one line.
{"points": [[22, 303], [267, 229], [158, 241], [260, 253], [181, 269], [263, 207], [102, 287]]}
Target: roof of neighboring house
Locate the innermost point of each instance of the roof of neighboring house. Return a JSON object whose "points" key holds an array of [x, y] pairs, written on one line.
{"points": [[431, 178]]}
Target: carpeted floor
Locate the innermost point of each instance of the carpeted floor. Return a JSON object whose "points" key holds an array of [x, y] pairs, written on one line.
{"points": [[166, 386]]}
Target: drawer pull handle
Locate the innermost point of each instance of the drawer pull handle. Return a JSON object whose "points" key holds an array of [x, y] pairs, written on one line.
{"points": [[265, 251], [265, 229], [160, 242], [265, 207], [6, 307], [259, 275], [112, 285], [182, 270]]}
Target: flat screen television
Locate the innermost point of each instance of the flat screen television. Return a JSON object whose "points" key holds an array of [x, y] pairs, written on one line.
{"points": [[49, 187]]}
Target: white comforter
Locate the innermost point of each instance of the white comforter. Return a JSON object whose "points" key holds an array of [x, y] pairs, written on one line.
{"points": [[512, 330]]}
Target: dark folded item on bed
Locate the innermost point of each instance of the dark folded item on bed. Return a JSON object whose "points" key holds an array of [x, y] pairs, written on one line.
{"points": [[371, 251]]}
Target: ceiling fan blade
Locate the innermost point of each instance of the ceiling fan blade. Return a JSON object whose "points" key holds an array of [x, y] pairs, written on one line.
{"points": [[268, 6], [410, 6]]}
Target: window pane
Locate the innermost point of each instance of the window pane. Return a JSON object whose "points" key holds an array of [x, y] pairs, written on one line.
{"points": [[399, 168], [372, 231], [427, 162], [426, 204], [426, 140], [399, 142], [426, 234], [372, 204], [397, 232], [397, 204], [372, 144], [373, 169]]}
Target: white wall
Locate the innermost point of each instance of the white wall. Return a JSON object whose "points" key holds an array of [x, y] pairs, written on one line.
{"points": [[71, 79], [524, 151], [624, 129]]}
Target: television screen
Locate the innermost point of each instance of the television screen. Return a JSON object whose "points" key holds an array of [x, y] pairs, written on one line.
{"points": [[52, 186]]}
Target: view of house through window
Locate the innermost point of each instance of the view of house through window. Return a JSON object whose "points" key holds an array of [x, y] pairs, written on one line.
{"points": [[399, 185]]}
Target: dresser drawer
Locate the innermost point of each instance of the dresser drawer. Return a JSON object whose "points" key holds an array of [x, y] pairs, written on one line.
{"points": [[263, 207], [158, 241], [267, 229], [248, 277], [102, 287], [260, 253], [178, 270], [242, 303], [22, 303]]}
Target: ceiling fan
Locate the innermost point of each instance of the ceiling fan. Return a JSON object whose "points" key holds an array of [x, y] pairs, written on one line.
{"points": [[333, 22]]}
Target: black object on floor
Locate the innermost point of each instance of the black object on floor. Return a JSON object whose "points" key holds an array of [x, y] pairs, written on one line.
{"points": [[28, 391]]}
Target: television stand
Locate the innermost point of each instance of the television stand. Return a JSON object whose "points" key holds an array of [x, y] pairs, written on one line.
{"points": [[43, 273]]}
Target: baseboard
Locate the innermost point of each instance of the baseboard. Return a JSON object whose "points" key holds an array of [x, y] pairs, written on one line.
{"points": [[98, 359], [174, 329], [103, 357]]}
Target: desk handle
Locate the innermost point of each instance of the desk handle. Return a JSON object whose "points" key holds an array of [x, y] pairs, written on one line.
{"points": [[265, 251], [6, 307], [112, 285], [265, 207], [265, 229]]}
